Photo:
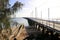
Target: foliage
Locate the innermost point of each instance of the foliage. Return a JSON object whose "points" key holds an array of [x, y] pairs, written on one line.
{"points": [[5, 11]]}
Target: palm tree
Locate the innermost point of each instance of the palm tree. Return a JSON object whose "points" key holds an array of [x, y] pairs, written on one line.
{"points": [[5, 11]]}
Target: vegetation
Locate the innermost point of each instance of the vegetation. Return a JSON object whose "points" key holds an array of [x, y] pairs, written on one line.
{"points": [[5, 11]]}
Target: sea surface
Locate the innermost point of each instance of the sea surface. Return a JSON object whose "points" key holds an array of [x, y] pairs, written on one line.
{"points": [[21, 21]]}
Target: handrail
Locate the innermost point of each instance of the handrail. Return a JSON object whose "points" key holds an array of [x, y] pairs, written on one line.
{"points": [[49, 23]]}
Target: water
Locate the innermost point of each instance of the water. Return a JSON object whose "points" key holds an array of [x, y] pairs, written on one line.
{"points": [[21, 21]]}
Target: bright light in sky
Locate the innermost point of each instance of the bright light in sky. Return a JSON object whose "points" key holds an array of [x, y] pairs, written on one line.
{"points": [[28, 10]]}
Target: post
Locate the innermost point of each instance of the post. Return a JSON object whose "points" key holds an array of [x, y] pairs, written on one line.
{"points": [[41, 18], [49, 16], [53, 24], [35, 12], [31, 14]]}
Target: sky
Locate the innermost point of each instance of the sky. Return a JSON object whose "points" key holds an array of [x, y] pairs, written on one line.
{"points": [[34, 8]]}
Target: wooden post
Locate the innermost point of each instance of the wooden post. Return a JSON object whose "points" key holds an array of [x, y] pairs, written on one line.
{"points": [[41, 17], [35, 12], [49, 16]]}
